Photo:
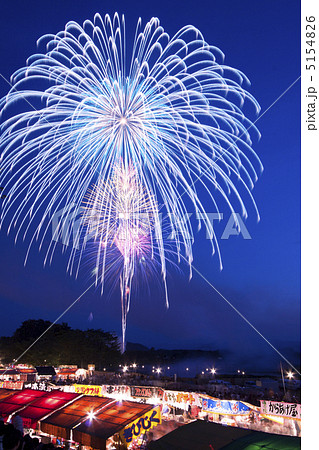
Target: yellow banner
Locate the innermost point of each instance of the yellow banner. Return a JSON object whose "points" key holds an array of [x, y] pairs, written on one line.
{"points": [[145, 423], [11, 384], [88, 389]]}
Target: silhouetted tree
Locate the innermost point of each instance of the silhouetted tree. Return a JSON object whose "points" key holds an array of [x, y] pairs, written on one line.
{"points": [[60, 344]]}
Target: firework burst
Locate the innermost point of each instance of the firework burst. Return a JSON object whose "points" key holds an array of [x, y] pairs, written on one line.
{"points": [[164, 116]]}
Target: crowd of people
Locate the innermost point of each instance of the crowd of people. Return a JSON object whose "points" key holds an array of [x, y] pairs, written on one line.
{"points": [[12, 438], [253, 395]]}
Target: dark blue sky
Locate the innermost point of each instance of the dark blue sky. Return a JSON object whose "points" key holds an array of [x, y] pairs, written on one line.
{"points": [[261, 276]]}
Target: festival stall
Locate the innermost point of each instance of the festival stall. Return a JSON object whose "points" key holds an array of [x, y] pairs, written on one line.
{"points": [[288, 415], [280, 409], [182, 406], [98, 422], [28, 374], [9, 375], [177, 403], [92, 421], [61, 423], [148, 394], [67, 373], [134, 435], [123, 422], [258, 440], [225, 407], [209, 435], [228, 412], [44, 406], [106, 413], [45, 373], [18, 401], [198, 435], [5, 393]]}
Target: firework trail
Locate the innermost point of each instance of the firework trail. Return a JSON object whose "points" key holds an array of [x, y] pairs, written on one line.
{"points": [[118, 213], [88, 113]]}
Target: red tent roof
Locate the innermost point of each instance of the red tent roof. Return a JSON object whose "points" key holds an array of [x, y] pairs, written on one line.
{"points": [[18, 400], [27, 370], [44, 406], [67, 372]]}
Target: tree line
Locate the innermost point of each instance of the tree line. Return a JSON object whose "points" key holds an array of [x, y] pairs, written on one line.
{"points": [[60, 344]]}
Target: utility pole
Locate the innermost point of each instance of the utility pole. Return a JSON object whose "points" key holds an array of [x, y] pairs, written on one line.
{"points": [[283, 380]]}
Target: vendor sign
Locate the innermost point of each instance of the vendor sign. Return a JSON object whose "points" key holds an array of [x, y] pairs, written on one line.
{"points": [[69, 388], [142, 392], [181, 399], [290, 410], [146, 392], [116, 391], [88, 389], [230, 407], [141, 425], [11, 384], [38, 386]]}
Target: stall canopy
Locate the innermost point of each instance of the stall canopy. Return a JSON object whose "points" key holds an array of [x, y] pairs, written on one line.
{"points": [[61, 422], [258, 440], [111, 420], [200, 435], [45, 371], [5, 393], [44, 406], [207, 435], [67, 372], [9, 372], [15, 402], [27, 370]]}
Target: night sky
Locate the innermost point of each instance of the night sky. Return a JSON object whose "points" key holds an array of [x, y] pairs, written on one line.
{"points": [[261, 276]]}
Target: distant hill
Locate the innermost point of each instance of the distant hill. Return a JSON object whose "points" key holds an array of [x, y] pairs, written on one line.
{"points": [[152, 356], [133, 346]]}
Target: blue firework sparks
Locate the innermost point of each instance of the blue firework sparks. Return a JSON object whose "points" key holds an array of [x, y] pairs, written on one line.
{"points": [[166, 109]]}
